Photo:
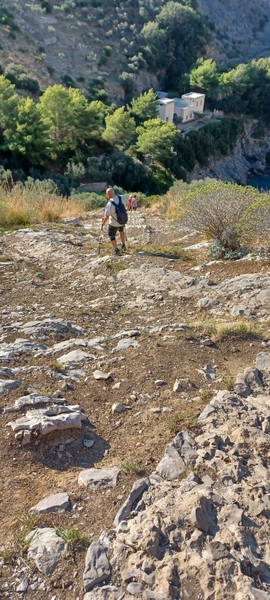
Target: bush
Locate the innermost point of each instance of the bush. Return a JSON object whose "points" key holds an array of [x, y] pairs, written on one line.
{"points": [[217, 210], [256, 221], [7, 20], [46, 5], [89, 201], [17, 75], [68, 81]]}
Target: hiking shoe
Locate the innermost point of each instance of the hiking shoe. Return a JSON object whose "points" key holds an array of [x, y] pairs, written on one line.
{"points": [[123, 248], [116, 251]]}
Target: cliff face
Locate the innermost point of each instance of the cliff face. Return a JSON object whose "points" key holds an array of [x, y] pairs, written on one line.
{"points": [[249, 158], [242, 29]]}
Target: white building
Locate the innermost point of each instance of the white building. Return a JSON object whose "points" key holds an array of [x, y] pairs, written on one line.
{"points": [[182, 110], [183, 107], [196, 101], [166, 109]]}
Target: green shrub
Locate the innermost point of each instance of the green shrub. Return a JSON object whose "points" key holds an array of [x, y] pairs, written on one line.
{"points": [[217, 211], [7, 20], [46, 5], [256, 221], [17, 75], [108, 50], [68, 81], [90, 201]]}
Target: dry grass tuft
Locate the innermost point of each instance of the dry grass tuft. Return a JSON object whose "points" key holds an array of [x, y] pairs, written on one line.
{"points": [[22, 206]]}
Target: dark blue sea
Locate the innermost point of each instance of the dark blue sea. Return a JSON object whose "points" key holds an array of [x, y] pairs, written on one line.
{"points": [[261, 182]]}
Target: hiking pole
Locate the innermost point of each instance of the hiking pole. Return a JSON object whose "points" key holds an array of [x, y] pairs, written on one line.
{"points": [[100, 240]]}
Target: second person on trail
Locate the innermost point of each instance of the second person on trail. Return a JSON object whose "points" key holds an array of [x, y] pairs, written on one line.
{"points": [[115, 211]]}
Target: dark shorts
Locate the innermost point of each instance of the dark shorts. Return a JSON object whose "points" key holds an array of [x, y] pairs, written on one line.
{"points": [[112, 231]]}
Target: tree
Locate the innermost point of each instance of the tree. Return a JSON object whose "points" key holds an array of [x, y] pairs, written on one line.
{"points": [[176, 38], [204, 76], [155, 40], [29, 136], [144, 107], [120, 127], [71, 120], [128, 83], [9, 101], [156, 139]]}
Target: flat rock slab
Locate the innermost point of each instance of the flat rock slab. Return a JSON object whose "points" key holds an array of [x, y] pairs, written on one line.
{"points": [[126, 343], [54, 503], [8, 384], [47, 327], [45, 549], [97, 567], [21, 346], [99, 478], [33, 400], [74, 357], [43, 421]]}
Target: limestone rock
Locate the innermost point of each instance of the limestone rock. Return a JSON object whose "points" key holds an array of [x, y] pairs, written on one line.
{"points": [[171, 465], [126, 343], [54, 503], [263, 361], [43, 421], [33, 399], [45, 549], [118, 408], [99, 375], [8, 384], [74, 357], [41, 329], [97, 567], [137, 490], [99, 478]]}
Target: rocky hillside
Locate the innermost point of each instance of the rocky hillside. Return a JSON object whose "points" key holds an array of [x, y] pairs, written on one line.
{"points": [[134, 416], [241, 29], [83, 40]]}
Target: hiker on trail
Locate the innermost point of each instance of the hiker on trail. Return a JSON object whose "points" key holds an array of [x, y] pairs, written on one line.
{"points": [[133, 202], [115, 211]]}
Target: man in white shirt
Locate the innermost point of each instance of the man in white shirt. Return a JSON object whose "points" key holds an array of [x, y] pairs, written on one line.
{"points": [[111, 215]]}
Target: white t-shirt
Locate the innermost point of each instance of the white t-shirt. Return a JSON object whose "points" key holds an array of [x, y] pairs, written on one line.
{"points": [[110, 210]]}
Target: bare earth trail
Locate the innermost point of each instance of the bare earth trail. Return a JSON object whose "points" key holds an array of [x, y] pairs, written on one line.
{"points": [[55, 289]]}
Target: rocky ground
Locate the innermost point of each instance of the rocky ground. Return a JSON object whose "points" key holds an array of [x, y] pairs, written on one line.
{"points": [[103, 361]]}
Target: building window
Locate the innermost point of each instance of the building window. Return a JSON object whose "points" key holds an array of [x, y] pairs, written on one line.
{"points": [[167, 119], [186, 117]]}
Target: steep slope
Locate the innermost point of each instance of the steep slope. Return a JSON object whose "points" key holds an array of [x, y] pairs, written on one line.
{"points": [[86, 39], [241, 28]]}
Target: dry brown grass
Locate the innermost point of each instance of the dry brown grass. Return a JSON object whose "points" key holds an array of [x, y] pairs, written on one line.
{"points": [[24, 206]]}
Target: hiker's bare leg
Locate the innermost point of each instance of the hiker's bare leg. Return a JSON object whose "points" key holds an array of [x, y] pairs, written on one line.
{"points": [[113, 242], [122, 236]]}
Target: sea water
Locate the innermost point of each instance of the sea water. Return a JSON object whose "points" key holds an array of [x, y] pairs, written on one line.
{"points": [[261, 182]]}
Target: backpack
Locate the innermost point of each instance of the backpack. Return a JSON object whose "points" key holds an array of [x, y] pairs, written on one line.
{"points": [[121, 213]]}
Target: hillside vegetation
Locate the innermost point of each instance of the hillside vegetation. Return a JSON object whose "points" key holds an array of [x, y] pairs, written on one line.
{"points": [[125, 48]]}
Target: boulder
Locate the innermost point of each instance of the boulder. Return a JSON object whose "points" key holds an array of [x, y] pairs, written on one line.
{"points": [[45, 549], [97, 567], [54, 503], [99, 478]]}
